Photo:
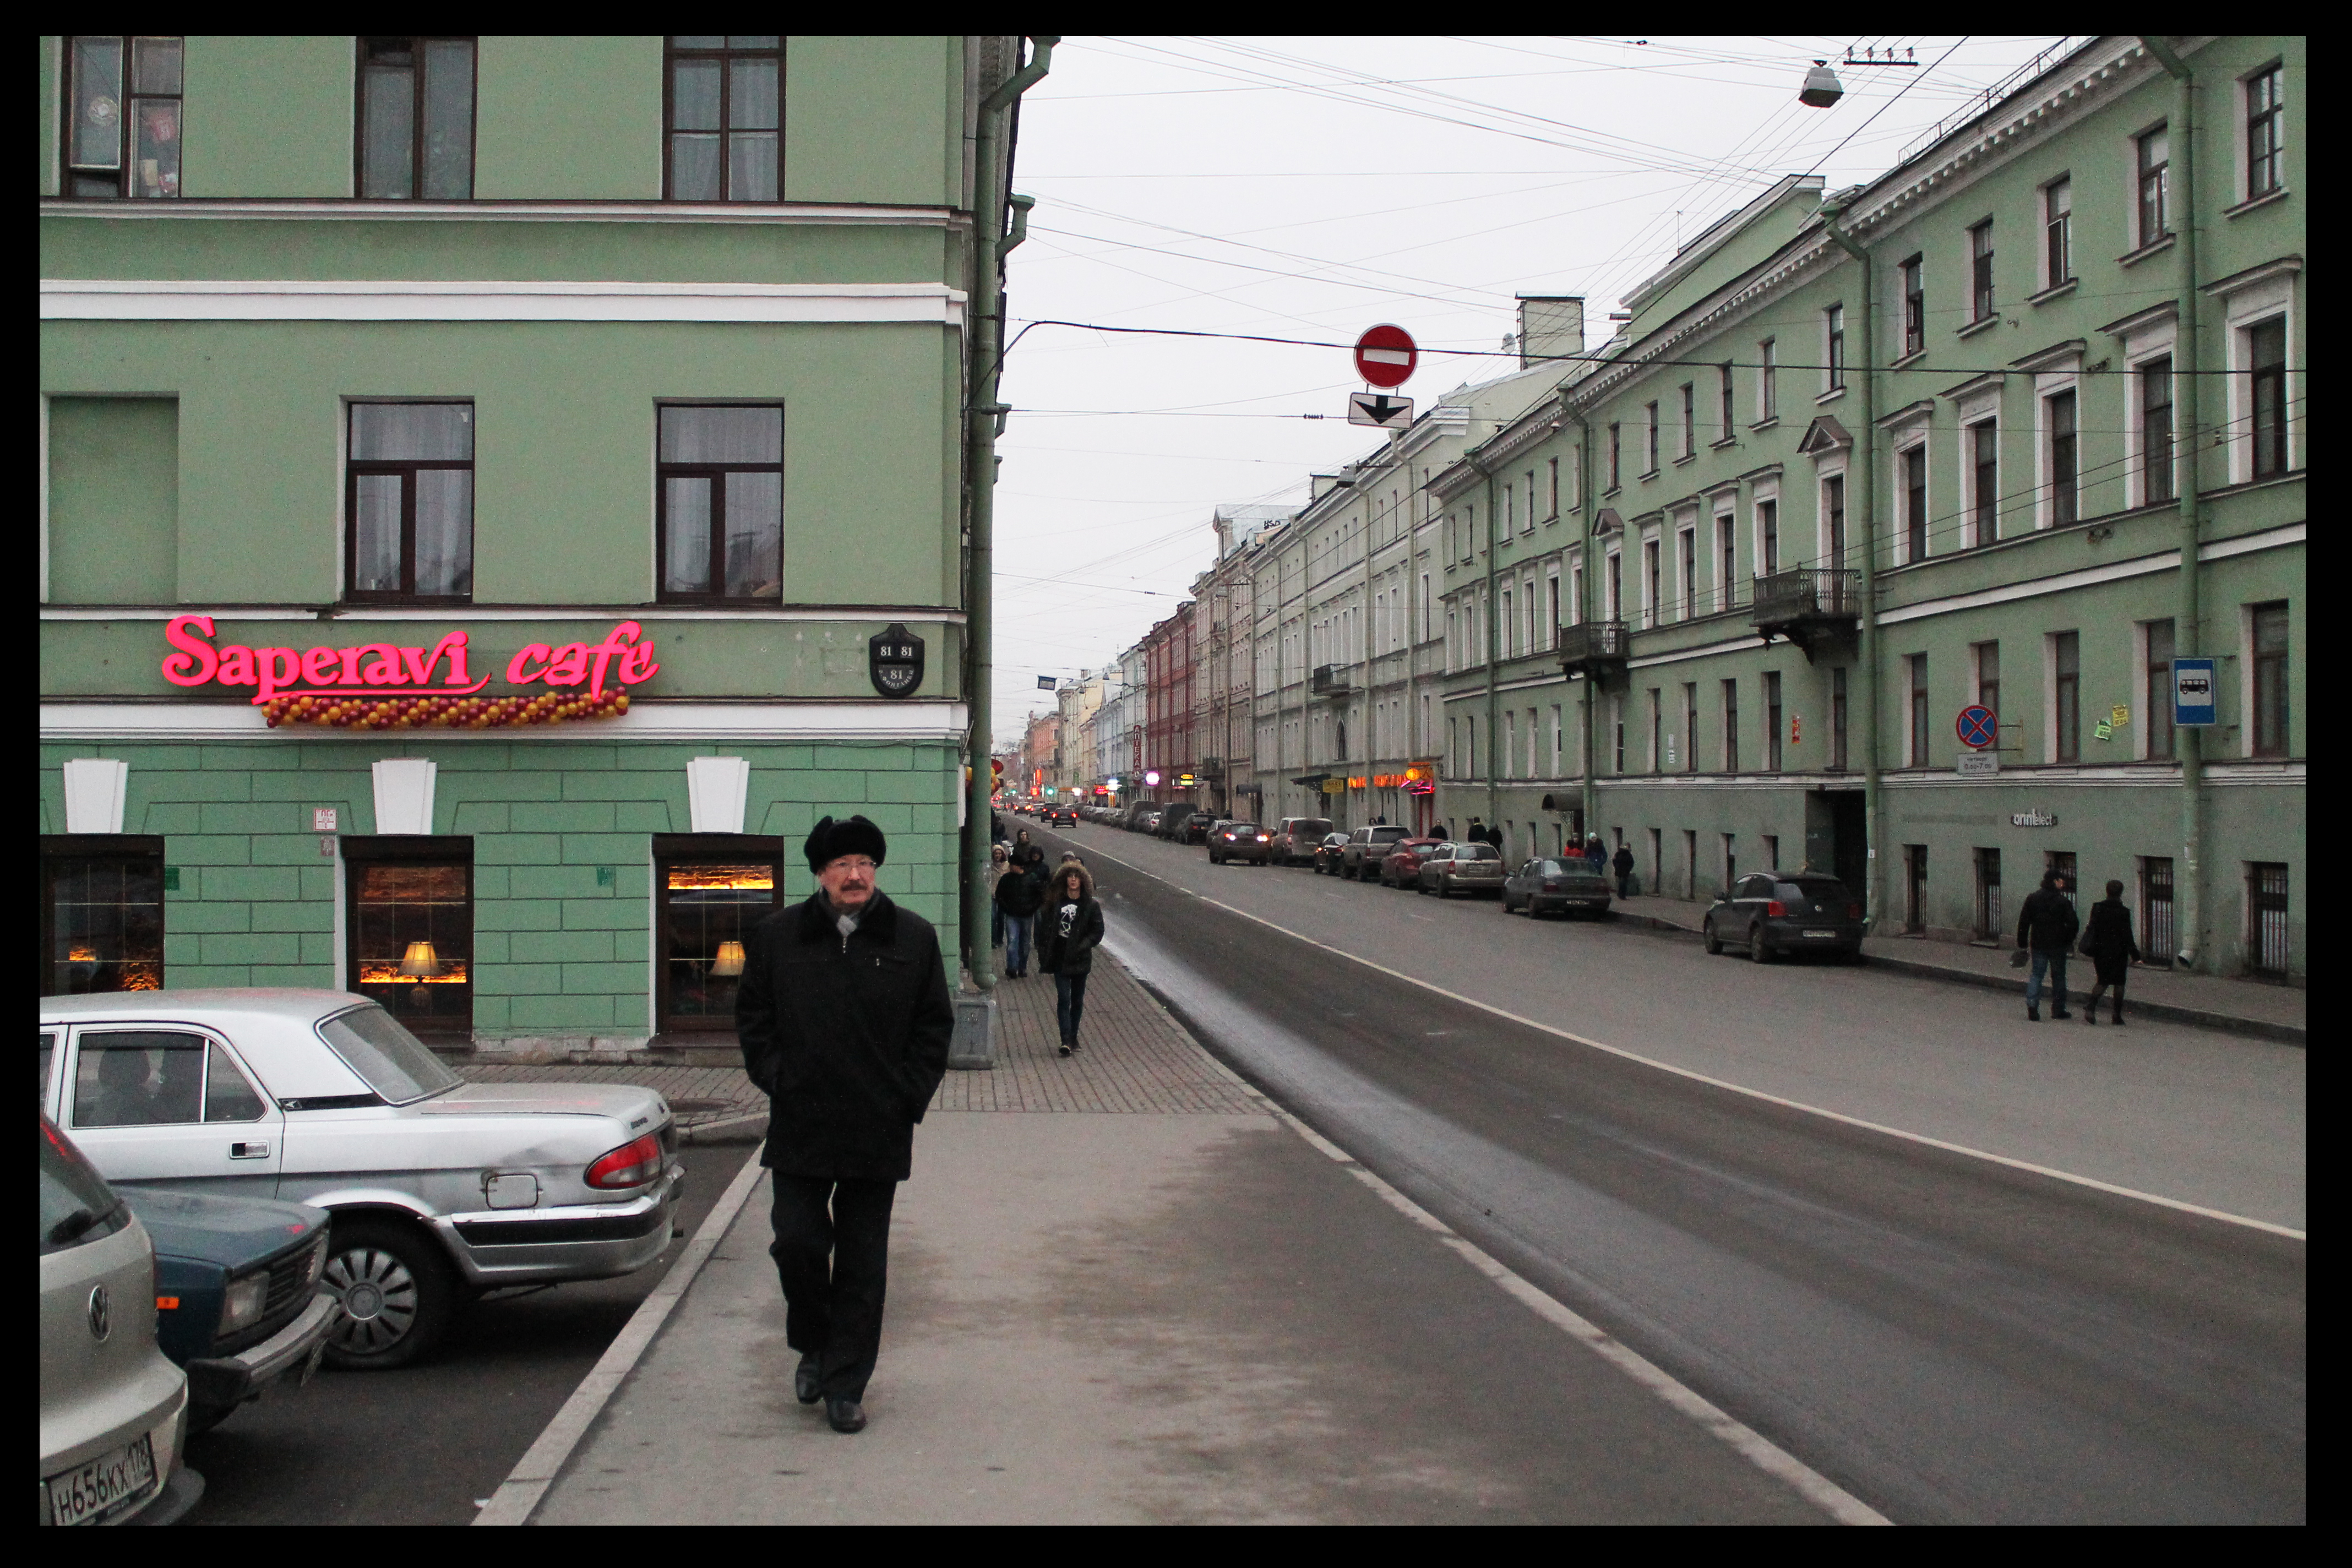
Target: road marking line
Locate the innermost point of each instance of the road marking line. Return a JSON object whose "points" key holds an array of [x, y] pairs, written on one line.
{"points": [[1750, 1445], [1838, 1116], [521, 1493]]}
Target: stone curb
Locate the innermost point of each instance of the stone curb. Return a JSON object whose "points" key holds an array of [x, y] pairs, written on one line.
{"points": [[749, 1127], [2171, 1013]]}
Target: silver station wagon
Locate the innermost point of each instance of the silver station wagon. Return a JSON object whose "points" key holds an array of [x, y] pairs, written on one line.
{"points": [[440, 1190]]}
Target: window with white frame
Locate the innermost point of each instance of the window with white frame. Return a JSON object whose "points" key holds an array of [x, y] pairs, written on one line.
{"points": [[1725, 563], [1766, 546], [1981, 479], [1724, 398], [1686, 571], [1834, 348], [1915, 305], [1690, 418], [1767, 380], [2265, 386], [2057, 232], [1653, 605], [2264, 169], [1911, 497], [1650, 439], [1980, 291], [2266, 406], [1576, 595], [1506, 629], [1829, 537], [1528, 642], [1551, 606], [2062, 457], [1614, 588], [2151, 430], [1528, 526], [2152, 181]]}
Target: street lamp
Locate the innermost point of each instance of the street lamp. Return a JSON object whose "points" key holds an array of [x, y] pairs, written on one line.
{"points": [[1821, 87]]}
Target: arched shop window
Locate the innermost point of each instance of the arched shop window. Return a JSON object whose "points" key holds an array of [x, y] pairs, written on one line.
{"points": [[410, 930]]}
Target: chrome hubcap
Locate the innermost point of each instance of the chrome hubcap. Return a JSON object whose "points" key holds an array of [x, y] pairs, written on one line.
{"points": [[379, 1298]]}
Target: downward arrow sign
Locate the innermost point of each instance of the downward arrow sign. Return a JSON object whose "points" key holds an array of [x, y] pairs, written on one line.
{"points": [[1377, 408]]}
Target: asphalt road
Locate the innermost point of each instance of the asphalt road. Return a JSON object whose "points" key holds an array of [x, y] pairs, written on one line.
{"points": [[1950, 1339], [419, 1445]]}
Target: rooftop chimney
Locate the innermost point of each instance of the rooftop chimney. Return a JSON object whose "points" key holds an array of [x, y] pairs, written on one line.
{"points": [[1550, 325]]}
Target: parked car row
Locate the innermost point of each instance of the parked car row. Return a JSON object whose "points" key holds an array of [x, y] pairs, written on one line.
{"points": [[304, 1180]]}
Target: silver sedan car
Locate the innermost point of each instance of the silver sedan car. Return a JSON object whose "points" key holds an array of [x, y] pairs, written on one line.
{"points": [[439, 1188]]}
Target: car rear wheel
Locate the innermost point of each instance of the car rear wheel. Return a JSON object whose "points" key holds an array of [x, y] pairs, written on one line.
{"points": [[1759, 949], [395, 1289]]}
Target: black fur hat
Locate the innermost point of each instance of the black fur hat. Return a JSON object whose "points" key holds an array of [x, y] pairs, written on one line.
{"points": [[829, 841]]}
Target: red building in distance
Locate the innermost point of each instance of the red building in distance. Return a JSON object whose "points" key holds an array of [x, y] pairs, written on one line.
{"points": [[1167, 741]]}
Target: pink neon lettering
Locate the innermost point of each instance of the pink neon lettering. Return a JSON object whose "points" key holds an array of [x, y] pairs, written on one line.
{"points": [[385, 670], [235, 665], [453, 645], [570, 665], [351, 661], [529, 664], [271, 661], [615, 641], [637, 664], [195, 662], [319, 664]]}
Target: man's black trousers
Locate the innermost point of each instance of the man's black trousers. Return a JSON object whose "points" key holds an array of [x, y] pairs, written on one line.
{"points": [[833, 1255]]}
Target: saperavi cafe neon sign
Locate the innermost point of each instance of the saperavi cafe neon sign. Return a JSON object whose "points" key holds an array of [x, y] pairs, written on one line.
{"points": [[377, 685]]}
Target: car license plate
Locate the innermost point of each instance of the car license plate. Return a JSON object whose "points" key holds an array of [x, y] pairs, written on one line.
{"points": [[105, 1486], [1821, 933]]}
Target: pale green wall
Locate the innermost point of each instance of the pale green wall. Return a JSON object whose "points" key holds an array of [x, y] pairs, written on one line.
{"points": [[268, 115], [837, 147], [576, 117], [51, 54], [564, 507], [113, 516]]}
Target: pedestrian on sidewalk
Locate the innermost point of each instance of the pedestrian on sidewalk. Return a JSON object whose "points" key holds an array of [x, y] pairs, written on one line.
{"points": [[1623, 864], [1475, 833], [1000, 861], [1596, 854], [2108, 944], [1019, 892], [843, 1018], [1072, 929], [2046, 924]]}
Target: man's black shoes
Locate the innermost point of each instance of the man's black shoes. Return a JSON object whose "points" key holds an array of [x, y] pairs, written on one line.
{"points": [[846, 1415], [805, 1380]]}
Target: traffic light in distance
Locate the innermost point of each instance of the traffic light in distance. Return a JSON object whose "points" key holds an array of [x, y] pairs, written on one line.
{"points": [[996, 770]]}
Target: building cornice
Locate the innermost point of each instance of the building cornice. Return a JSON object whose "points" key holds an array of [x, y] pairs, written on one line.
{"points": [[648, 719], [491, 299], [346, 210]]}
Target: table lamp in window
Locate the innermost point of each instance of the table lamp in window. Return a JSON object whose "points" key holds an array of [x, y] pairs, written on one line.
{"points": [[419, 962], [730, 961]]}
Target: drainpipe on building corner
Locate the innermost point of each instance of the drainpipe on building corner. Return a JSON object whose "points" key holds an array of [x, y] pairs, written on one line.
{"points": [[2189, 636], [983, 417], [1580, 581], [1865, 441], [1494, 646]]}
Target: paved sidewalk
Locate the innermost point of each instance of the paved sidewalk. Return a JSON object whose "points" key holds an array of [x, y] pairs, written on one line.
{"points": [[1148, 1301], [2246, 1006]]}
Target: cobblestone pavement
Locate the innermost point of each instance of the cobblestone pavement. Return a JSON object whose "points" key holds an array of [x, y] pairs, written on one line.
{"points": [[1133, 1058]]}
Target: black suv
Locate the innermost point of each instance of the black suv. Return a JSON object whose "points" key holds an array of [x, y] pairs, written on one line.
{"points": [[1186, 824], [1773, 912]]}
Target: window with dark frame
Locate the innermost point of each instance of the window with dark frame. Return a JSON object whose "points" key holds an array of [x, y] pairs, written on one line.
{"points": [[710, 892], [1988, 677], [2066, 684], [1654, 606], [1725, 396], [1613, 445], [2265, 133], [2154, 157], [1834, 509], [101, 914], [2156, 431], [2061, 424], [2159, 717], [1916, 672], [416, 119], [1836, 323], [1980, 299], [1686, 559], [2267, 946], [1767, 534], [119, 145], [2156, 925], [1984, 463], [1768, 384], [2266, 360], [1657, 730], [1771, 721], [1915, 307], [1690, 418], [1915, 503], [2058, 231], [409, 928], [410, 502], [1690, 726], [1731, 725], [1727, 547], [1650, 439], [1989, 926], [720, 490], [2270, 634], [724, 102], [1837, 720]]}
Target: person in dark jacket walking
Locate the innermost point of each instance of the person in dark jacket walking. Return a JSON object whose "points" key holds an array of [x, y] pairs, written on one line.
{"points": [[2108, 943], [1018, 893], [1069, 930], [1596, 854], [2046, 924], [843, 1019], [1623, 864]]}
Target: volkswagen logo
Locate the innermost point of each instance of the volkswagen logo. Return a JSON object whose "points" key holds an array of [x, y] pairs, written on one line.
{"points": [[102, 1314]]}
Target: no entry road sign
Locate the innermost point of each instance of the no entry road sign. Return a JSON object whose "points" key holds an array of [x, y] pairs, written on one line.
{"points": [[1385, 356], [1978, 728]]}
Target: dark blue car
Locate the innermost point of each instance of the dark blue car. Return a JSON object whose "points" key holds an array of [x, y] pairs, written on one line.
{"points": [[236, 1292]]}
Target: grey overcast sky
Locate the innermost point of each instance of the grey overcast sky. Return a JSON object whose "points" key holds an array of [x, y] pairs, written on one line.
{"points": [[1312, 188]]}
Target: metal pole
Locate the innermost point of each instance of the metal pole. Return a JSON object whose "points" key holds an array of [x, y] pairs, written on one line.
{"points": [[1494, 648], [2189, 636], [1865, 459], [1581, 583], [982, 417]]}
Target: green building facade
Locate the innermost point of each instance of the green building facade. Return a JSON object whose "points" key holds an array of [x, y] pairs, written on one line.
{"points": [[1797, 519], [579, 368]]}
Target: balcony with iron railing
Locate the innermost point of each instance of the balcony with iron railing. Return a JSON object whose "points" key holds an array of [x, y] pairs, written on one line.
{"points": [[1331, 680], [1592, 649], [1808, 607]]}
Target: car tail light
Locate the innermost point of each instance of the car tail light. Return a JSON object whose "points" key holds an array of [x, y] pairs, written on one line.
{"points": [[1776, 909], [632, 1164], [1551, 887], [1853, 912], [1265, 839]]}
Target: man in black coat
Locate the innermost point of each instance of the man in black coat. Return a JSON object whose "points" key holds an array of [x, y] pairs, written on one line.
{"points": [[2109, 945], [844, 1018], [2046, 924], [1623, 864]]}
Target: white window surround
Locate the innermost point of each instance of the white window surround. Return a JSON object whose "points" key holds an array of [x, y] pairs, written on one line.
{"points": [[2041, 229], [2136, 239], [1830, 466], [1652, 608], [1722, 518], [404, 794], [2049, 383], [2238, 148], [2248, 300], [96, 788], [1614, 571]]}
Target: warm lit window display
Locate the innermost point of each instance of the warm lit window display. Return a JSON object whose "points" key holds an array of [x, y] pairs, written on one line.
{"points": [[708, 908], [104, 915], [412, 933]]}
